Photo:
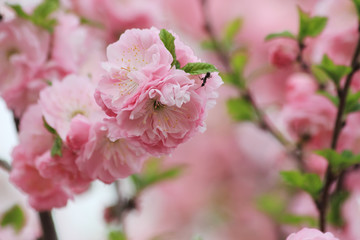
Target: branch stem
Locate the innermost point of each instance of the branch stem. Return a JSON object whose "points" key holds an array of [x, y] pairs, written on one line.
{"points": [[329, 177]]}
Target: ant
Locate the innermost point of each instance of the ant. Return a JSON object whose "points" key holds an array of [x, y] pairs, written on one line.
{"points": [[1, 17], [204, 79]]}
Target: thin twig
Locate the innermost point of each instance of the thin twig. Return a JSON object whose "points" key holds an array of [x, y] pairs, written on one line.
{"points": [[223, 56], [5, 165], [300, 57], [329, 177]]}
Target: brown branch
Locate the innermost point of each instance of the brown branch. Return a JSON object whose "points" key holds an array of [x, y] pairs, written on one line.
{"points": [[46, 220], [5, 165], [329, 177], [300, 57], [223, 56], [48, 226]]}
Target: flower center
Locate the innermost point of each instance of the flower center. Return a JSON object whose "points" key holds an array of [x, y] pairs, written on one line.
{"points": [[158, 106], [11, 52]]}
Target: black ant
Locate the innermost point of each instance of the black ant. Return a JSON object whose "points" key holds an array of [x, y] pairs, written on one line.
{"points": [[1, 17], [204, 79]]}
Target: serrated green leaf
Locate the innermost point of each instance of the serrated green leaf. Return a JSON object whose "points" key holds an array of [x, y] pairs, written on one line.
{"points": [[199, 68], [310, 26], [240, 109], [308, 182], [339, 162], [231, 30], [169, 41], [116, 235], [332, 98], [14, 217], [333, 71], [285, 34], [43, 10], [336, 201], [357, 6]]}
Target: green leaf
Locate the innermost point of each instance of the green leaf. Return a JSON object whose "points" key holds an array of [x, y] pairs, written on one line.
{"points": [[339, 162], [334, 72], [240, 109], [56, 149], [48, 127], [197, 238], [308, 182], [297, 220], [352, 102], [270, 204], [285, 34], [40, 15], [199, 68], [274, 206], [319, 74], [208, 45], [43, 10], [116, 235], [19, 11], [310, 26], [169, 41], [231, 30], [336, 201], [153, 173], [14, 217], [238, 62], [357, 5], [332, 98]]}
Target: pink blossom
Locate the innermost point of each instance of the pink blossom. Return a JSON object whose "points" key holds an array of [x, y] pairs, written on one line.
{"points": [[136, 58], [107, 160], [62, 170], [154, 104], [64, 100], [78, 132], [20, 60], [43, 193], [316, 164], [283, 53], [311, 234], [307, 114], [71, 43], [117, 16], [50, 182], [300, 86], [166, 114]]}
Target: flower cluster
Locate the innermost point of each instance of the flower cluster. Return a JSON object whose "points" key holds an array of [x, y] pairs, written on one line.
{"points": [[83, 129]]}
